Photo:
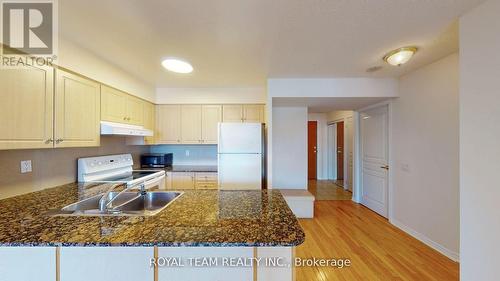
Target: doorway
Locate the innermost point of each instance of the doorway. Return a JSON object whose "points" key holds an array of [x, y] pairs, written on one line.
{"points": [[312, 149], [374, 125]]}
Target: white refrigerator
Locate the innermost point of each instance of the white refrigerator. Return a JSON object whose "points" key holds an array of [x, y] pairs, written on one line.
{"points": [[240, 156]]}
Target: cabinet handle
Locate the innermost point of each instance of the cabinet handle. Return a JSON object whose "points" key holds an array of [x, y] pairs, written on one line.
{"points": [[49, 141], [59, 140], [125, 118]]}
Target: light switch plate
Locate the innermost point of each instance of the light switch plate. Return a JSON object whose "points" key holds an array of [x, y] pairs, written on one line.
{"points": [[26, 166]]}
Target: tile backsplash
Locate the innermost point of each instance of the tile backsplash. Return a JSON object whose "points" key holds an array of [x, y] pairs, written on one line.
{"points": [[189, 154]]}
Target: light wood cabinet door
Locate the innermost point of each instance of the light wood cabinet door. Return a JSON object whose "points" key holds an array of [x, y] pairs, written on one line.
{"points": [[77, 111], [191, 124], [232, 113], [211, 115], [135, 111], [168, 124], [149, 121], [113, 105], [26, 108], [253, 113], [182, 180]]}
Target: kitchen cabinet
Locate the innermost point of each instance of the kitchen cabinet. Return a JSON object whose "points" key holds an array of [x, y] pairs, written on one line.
{"points": [[217, 272], [183, 180], [135, 110], [211, 115], [197, 124], [253, 113], [120, 107], [191, 180], [232, 113], [105, 263], [149, 121], [28, 263], [26, 108], [168, 124], [204, 180], [77, 111], [243, 113], [191, 124]]}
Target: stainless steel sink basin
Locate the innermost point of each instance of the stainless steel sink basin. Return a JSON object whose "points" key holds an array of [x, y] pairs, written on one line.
{"points": [[127, 204]]}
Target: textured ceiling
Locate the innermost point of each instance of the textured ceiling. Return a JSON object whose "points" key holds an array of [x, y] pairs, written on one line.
{"points": [[236, 43]]}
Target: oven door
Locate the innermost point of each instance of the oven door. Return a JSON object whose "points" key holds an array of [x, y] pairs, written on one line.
{"points": [[155, 183]]}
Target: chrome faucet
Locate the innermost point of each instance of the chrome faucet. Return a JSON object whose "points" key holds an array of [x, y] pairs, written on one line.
{"points": [[104, 204]]}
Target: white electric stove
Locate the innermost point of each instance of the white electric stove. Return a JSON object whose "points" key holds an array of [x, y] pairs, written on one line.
{"points": [[118, 169]]}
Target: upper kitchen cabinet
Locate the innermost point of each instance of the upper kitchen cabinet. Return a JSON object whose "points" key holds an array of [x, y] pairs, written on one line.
{"points": [[232, 113], [120, 107], [149, 121], [191, 124], [135, 110], [26, 108], [211, 115], [243, 113], [77, 111], [168, 124], [253, 113]]}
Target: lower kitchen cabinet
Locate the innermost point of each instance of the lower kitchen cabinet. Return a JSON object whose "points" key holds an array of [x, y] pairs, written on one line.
{"points": [[191, 180], [215, 272], [28, 263], [105, 263], [206, 181], [183, 180]]}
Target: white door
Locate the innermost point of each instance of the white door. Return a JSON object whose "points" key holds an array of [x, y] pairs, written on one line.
{"points": [[374, 149], [240, 171]]}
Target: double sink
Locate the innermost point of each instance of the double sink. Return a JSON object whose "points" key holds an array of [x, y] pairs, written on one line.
{"points": [[126, 204]]}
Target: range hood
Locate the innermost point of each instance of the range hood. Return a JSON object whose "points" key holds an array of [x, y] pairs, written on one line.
{"points": [[111, 128]]}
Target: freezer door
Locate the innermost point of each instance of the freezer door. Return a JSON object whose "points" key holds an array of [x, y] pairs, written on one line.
{"points": [[240, 171], [240, 138]]}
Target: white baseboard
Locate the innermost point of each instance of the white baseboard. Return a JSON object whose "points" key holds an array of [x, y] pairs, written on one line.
{"points": [[426, 240]]}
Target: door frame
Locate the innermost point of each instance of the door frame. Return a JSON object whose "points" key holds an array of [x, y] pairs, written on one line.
{"points": [[332, 143], [358, 169]]}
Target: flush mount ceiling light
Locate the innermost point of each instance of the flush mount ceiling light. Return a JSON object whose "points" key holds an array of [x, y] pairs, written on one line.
{"points": [[400, 56], [177, 65]]}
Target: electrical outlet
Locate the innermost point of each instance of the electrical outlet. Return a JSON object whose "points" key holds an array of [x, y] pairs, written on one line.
{"points": [[26, 166], [187, 153]]}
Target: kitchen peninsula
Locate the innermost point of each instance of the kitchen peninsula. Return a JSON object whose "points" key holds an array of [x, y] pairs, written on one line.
{"points": [[220, 225]]}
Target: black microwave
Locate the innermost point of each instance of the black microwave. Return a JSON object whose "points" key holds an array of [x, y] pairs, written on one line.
{"points": [[156, 160]]}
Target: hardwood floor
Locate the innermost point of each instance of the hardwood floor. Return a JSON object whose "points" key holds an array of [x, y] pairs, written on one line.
{"points": [[377, 250], [327, 190]]}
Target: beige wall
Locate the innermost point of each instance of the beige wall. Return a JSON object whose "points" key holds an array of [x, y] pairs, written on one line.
{"points": [[82, 61], [425, 149], [53, 167], [479, 143]]}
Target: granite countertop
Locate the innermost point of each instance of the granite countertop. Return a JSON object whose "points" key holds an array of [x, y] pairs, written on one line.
{"points": [[192, 168], [196, 218]]}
